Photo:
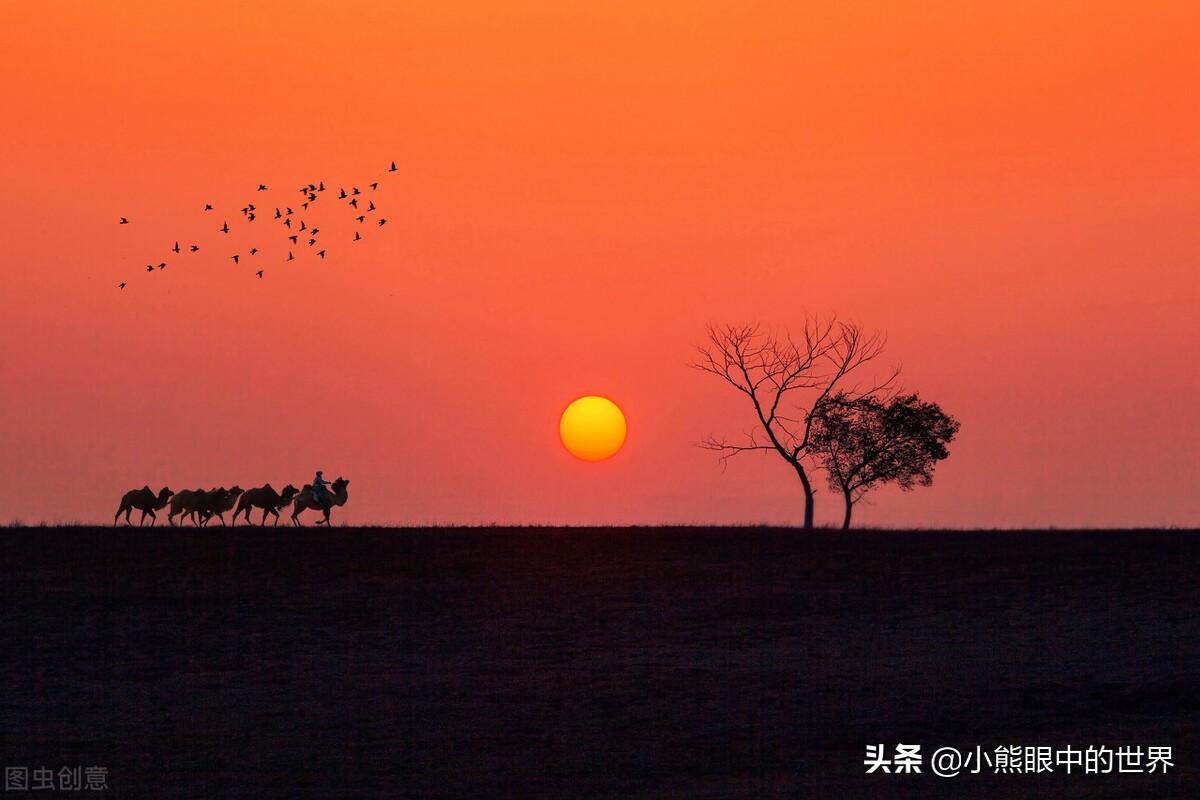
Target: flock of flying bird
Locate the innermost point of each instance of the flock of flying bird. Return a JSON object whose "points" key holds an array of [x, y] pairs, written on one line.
{"points": [[298, 230]]}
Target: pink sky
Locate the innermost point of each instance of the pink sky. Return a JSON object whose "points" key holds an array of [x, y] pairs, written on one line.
{"points": [[1009, 191]]}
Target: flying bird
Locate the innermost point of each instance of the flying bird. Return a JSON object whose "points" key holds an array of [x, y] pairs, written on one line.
{"points": [[361, 217], [259, 273], [277, 214], [393, 167], [357, 236], [123, 221], [194, 248], [290, 256], [262, 187], [321, 188], [342, 194], [371, 206], [294, 237], [374, 186], [235, 259], [302, 226], [382, 222], [288, 222], [208, 207], [149, 268], [311, 242], [315, 231], [162, 265], [354, 202], [253, 250], [252, 216], [355, 191], [304, 205], [121, 285], [225, 228], [176, 247], [321, 253]]}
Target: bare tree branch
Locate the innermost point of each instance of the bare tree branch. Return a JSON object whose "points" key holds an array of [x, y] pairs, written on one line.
{"points": [[787, 378]]}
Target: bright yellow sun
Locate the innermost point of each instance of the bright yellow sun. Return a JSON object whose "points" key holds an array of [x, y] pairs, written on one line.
{"points": [[592, 428]]}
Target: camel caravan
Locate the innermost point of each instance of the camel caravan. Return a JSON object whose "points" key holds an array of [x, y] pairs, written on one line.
{"points": [[201, 505]]}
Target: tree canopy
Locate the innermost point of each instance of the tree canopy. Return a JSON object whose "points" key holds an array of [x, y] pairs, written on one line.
{"points": [[865, 441]]}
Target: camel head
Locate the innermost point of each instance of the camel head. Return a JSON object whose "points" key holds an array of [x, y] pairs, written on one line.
{"points": [[235, 491], [165, 493], [289, 492]]}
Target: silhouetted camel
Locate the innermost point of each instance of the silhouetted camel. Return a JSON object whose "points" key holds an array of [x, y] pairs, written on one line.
{"points": [[205, 503], [305, 500], [217, 502], [145, 501], [186, 503], [266, 498]]}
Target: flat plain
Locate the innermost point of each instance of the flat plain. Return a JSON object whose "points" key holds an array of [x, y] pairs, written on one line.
{"points": [[593, 663]]}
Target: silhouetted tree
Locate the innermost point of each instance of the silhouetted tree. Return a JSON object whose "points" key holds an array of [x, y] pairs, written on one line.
{"points": [[786, 379], [866, 441]]}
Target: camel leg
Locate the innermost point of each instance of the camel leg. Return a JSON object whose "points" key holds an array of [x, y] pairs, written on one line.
{"points": [[128, 511], [153, 517], [142, 521], [263, 523], [295, 516], [117, 515], [221, 517]]}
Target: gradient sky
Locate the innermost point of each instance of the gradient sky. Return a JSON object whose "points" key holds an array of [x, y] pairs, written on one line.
{"points": [[1009, 189]]}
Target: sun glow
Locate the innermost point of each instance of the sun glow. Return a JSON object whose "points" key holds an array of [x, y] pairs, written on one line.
{"points": [[592, 428]]}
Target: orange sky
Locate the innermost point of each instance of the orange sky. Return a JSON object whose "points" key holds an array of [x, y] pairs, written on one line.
{"points": [[1009, 190]]}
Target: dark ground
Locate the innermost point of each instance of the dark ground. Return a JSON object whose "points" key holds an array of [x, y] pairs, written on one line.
{"points": [[628, 663]]}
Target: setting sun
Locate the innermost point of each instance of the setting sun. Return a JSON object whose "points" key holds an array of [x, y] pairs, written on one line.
{"points": [[592, 428]]}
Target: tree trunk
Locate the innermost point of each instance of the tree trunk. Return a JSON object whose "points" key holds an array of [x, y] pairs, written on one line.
{"points": [[849, 508], [808, 495]]}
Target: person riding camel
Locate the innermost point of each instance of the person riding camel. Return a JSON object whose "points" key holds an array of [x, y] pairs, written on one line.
{"points": [[318, 488]]}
